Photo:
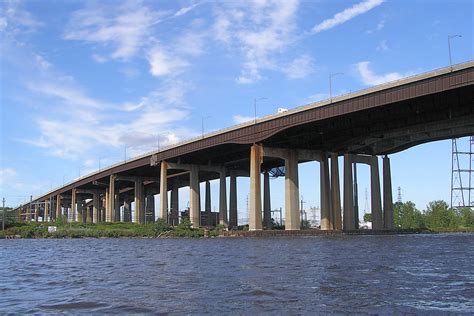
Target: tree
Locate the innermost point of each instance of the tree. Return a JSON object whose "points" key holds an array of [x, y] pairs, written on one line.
{"points": [[367, 217], [466, 215], [439, 215], [407, 216]]}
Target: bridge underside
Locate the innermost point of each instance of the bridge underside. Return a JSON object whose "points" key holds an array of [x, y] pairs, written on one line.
{"points": [[360, 129]]}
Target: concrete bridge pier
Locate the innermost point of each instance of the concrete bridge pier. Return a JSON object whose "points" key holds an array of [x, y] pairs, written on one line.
{"points": [[127, 211], [58, 206], [72, 212], [348, 216], [387, 195], [110, 200], [95, 207], [326, 221], [255, 203], [223, 198], [267, 210], [233, 200], [377, 217], [174, 218], [150, 209], [207, 204], [194, 205], [116, 208], [335, 192], [292, 196], [46, 211], [164, 191], [139, 201]]}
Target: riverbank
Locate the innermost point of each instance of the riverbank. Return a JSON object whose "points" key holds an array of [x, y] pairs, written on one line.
{"points": [[162, 230]]}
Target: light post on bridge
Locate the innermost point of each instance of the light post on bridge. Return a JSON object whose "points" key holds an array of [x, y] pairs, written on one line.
{"points": [[449, 49], [202, 124], [330, 83], [255, 107]]}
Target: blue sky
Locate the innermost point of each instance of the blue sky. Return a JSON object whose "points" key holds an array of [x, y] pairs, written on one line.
{"points": [[84, 82]]}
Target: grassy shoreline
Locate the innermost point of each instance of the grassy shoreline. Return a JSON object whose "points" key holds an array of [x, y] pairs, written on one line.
{"points": [[162, 230]]}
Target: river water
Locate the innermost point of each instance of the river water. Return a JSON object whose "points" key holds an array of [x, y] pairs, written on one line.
{"points": [[422, 274]]}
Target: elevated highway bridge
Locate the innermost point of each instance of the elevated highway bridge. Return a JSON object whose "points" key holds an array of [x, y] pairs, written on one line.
{"points": [[359, 126]]}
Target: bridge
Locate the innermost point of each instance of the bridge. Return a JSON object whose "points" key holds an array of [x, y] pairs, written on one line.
{"points": [[359, 126]]}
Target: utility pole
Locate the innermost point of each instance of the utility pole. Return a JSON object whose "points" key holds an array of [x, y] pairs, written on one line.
{"points": [[3, 215]]}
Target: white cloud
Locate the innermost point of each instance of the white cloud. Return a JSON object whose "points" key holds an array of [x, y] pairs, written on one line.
{"points": [[99, 58], [382, 46], [78, 130], [42, 63], [125, 27], [369, 78], [6, 175], [379, 27], [238, 119], [347, 14], [163, 63], [260, 29], [15, 20], [300, 67], [185, 10]]}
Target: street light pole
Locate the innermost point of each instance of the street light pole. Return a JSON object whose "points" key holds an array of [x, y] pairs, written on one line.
{"points": [[330, 84], [449, 49], [255, 107], [202, 124]]}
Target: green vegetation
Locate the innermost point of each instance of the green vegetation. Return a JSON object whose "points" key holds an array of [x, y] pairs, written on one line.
{"points": [[106, 230], [438, 217]]}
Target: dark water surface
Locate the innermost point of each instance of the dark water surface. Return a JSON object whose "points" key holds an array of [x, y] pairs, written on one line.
{"points": [[427, 274]]}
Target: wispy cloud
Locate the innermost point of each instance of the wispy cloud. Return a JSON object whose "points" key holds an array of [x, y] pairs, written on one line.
{"points": [[124, 26], [163, 63], [300, 67], [260, 30], [369, 78], [15, 20], [382, 46], [185, 10], [238, 119], [347, 14]]}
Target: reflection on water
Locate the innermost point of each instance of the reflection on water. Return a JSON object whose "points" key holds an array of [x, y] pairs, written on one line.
{"points": [[366, 274]]}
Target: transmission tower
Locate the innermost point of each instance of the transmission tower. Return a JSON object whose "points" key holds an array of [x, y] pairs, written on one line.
{"points": [[462, 175]]}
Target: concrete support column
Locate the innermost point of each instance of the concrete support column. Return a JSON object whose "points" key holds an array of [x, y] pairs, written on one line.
{"points": [[46, 211], [139, 201], [164, 191], [36, 212], [110, 197], [336, 192], [233, 200], [194, 207], [105, 206], [175, 203], [72, 213], [356, 198], [150, 209], [377, 219], [207, 204], [292, 195], [127, 210], [58, 206], [95, 207], [325, 189], [267, 209], [387, 194], [79, 210], [117, 207], [222, 198], [348, 217], [255, 207]]}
